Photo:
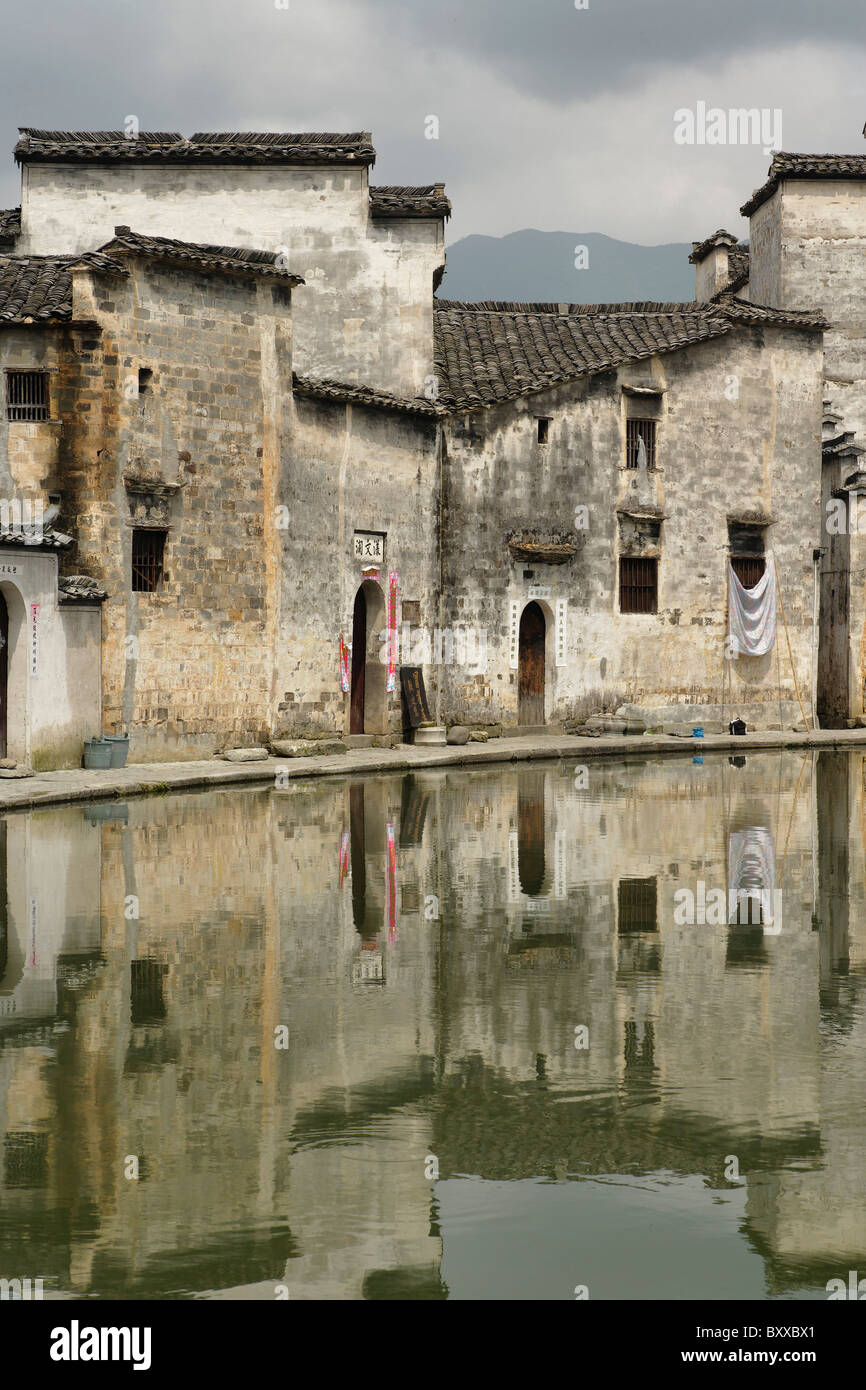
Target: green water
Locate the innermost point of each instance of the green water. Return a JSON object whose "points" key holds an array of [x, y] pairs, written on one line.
{"points": [[440, 1036]]}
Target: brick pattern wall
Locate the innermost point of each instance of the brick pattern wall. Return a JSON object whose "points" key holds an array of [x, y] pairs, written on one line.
{"points": [[186, 669]]}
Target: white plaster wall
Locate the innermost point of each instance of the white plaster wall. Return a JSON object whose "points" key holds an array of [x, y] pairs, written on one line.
{"points": [[53, 904], [716, 456], [53, 709], [366, 312]]}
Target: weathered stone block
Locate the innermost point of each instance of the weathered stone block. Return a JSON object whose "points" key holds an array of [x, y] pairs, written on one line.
{"points": [[306, 748], [458, 735], [245, 755]]}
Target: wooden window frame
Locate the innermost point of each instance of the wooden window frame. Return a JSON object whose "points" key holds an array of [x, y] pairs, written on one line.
{"points": [[32, 403], [631, 584], [639, 427], [746, 567], [148, 569]]}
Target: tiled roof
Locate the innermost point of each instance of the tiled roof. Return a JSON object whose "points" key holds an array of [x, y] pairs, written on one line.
{"points": [[741, 311], [10, 225], [226, 258], [228, 147], [426, 201], [49, 539], [719, 238], [327, 390], [38, 288], [492, 352], [80, 588], [738, 266], [806, 166]]}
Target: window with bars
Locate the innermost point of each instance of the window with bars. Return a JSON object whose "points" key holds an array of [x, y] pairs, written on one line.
{"points": [[148, 548], [749, 569], [638, 904], [147, 1004], [637, 433], [26, 395], [638, 585]]}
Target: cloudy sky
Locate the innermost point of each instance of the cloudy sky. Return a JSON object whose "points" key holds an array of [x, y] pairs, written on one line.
{"points": [[549, 116]]}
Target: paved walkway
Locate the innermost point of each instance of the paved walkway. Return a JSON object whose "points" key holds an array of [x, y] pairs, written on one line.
{"points": [[47, 788]]}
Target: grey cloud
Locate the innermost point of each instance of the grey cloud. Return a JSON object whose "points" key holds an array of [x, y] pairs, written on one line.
{"points": [[551, 49]]}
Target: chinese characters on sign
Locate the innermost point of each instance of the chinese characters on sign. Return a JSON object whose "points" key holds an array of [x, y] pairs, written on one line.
{"points": [[34, 639], [414, 696], [369, 547]]}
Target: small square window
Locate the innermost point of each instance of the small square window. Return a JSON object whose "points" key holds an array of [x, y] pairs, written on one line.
{"points": [[749, 569], [638, 585], [145, 380], [640, 444], [148, 548], [543, 424], [26, 395]]}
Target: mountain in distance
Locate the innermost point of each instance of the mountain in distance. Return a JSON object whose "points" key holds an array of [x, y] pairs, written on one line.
{"points": [[542, 267]]}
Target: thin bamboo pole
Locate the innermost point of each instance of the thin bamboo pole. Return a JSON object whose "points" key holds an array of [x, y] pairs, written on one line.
{"points": [[806, 721]]}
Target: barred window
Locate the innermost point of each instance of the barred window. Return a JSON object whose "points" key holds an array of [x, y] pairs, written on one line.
{"points": [[639, 432], [638, 905], [148, 548], [749, 569], [638, 585], [147, 1004], [26, 395]]}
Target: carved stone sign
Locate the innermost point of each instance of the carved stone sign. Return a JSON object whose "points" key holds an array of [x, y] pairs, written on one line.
{"points": [[369, 547]]}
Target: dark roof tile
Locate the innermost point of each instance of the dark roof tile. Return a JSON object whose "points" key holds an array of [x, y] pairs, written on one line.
{"points": [[10, 226], [226, 147], [426, 201], [80, 588], [237, 259], [719, 238], [35, 288], [325, 389], [492, 352], [805, 166]]}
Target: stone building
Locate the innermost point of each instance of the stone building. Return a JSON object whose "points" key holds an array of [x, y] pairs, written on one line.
{"points": [[283, 466]]}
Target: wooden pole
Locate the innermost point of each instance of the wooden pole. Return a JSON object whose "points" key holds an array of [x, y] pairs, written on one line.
{"points": [[807, 722]]}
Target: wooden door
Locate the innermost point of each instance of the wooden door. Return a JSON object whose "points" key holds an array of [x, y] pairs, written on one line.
{"points": [[359, 663], [530, 832], [4, 673], [530, 666]]}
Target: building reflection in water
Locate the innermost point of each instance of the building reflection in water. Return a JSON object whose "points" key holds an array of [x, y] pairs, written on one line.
{"points": [[518, 909]]}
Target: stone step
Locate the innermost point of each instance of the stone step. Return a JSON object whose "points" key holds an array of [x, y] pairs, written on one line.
{"points": [[358, 740], [531, 730]]}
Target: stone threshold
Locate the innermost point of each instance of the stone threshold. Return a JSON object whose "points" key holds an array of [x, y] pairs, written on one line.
{"points": [[148, 779]]}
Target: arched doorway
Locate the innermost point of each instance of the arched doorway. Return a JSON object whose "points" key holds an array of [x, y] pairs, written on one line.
{"points": [[369, 672], [530, 666], [4, 673]]}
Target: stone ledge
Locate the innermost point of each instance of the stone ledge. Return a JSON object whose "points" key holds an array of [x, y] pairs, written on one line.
{"points": [[145, 779]]}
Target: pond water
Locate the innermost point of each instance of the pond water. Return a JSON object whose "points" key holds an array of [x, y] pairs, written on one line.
{"points": [[454, 1034]]}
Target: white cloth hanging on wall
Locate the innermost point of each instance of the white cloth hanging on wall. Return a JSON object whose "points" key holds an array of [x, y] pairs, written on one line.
{"points": [[753, 613]]}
